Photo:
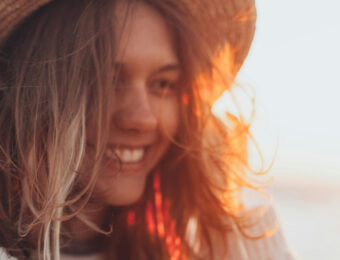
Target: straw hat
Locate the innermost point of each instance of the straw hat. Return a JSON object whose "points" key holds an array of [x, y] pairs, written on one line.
{"points": [[220, 21]]}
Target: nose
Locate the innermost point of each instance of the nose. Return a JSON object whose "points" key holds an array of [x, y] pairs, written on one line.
{"points": [[135, 111]]}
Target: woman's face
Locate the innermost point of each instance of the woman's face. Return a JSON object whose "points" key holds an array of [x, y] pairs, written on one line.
{"points": [[143, 117]]}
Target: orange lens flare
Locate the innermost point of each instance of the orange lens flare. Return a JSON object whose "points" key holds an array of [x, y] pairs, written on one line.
{"points": [[159, 207], [150, 218], [131, 218], [185, 99], [159, 221], [166, 226]]}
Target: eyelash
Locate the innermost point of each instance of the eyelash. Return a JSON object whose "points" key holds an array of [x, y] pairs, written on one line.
{"points": [[157, 86], [162, 84]]}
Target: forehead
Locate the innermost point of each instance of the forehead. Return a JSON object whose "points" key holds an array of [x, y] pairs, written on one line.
{"points": [[142, 33]]}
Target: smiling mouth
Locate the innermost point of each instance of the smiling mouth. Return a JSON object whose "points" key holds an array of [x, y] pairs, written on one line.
{"points": [[126, 155]]}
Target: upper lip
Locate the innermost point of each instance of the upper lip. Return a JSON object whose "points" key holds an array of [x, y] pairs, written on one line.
{"points": [[124, 146], [128, 146]]}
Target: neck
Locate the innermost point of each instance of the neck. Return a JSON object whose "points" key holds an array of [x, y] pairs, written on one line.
{"points": [[89, 222], [86, 235]]}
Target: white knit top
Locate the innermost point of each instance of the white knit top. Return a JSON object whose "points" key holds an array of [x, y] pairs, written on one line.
{"points": [[268, 248]]}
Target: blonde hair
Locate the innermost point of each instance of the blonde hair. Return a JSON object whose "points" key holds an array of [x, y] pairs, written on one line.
{"points": [[55, 71]]}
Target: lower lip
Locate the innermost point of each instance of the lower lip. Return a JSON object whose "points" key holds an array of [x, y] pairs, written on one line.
{"points": [[122, 167]]}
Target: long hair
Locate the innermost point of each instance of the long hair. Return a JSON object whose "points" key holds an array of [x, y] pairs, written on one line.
{"points": [[55, 72]]}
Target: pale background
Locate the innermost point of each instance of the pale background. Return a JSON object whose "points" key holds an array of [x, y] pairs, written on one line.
{"points": [[293, 70]]}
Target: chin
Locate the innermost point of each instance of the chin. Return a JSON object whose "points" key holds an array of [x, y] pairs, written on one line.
{"points": [[129, 199], [124, 194]]}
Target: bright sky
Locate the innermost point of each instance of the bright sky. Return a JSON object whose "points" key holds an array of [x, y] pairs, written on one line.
{"points": [[294, 70]]}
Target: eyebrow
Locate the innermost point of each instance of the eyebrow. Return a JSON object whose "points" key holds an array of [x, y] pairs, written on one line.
{"points": [[168, 67], [165, 68]]}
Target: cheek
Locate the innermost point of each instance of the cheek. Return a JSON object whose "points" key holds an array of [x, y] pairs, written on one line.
{"points": [[168, 117]]}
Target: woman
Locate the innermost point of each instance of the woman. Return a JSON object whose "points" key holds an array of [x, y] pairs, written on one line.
{"points": [[109, 149]]}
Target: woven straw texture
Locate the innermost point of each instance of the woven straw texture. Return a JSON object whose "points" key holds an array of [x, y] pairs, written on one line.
{"points": [[12, 12], [220, 21], [224, 22]]}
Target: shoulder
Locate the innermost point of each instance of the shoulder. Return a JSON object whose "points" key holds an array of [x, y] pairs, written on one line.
{"points": [[4, 255], [255, 235], [259, 220]]}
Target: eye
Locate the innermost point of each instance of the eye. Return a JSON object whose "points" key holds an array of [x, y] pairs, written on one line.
{"points": [[162, 86]]}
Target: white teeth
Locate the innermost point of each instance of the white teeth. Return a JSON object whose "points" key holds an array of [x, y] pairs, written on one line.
{"points": [[125, 155]]}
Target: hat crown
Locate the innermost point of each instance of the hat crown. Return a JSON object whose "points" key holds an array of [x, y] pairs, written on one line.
{"points": [[220, 22]]}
